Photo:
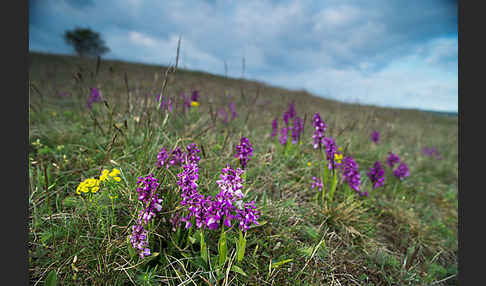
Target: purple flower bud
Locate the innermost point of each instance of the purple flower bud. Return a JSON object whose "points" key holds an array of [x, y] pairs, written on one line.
{"points": [[283, 136], [392, 159], [138, 239], [93, 97], [319, 130], [375, 137], [274, 127], [317, 184], [244, 151], [297, 129], [431, 152], [351, 174], [377, 175], [195, 96], [402, 171]]}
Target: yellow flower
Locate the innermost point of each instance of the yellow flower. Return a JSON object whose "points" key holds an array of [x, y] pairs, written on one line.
{"points": [[104, 175], [117, 179], [88, 185], [338, 157], [114, 172], [309, 164], [78, 190], [194, 103]]}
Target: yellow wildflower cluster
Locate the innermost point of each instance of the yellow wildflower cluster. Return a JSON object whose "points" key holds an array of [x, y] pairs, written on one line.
{"points": [[105, 174], [93, 185], [194, 103], [89, 185]]}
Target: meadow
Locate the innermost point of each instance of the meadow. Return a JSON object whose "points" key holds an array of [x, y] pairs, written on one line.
{"points": [[145, 175]]}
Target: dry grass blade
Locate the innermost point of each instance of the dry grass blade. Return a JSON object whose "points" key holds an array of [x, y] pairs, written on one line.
{"points": [[178, 51], [98, 63], [316, 248]]}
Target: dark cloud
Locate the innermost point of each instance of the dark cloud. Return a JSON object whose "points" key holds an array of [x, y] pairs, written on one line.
{"points": [[279, 39], [80, 4]]}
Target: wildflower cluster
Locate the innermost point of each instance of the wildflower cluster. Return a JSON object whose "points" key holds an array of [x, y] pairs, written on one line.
{"points": [[191, 199], [149, 198], [212, 212], [195, 98], [351, 175], [283, 136], [227, 205], [177, 157], [402, 171], [376, 175], [317, 183], [107, 175], [392, 159], [139, 239], [88, 185], [274, 127], [333, 153], [296, 129], [319, 130], [432, 152], [92, 185], [93, 97], [147, 187], [244, 151], [375, 137], [191, 153]]}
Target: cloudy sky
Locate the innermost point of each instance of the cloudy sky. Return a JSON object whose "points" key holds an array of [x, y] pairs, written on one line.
{"points": [[397, 53]]}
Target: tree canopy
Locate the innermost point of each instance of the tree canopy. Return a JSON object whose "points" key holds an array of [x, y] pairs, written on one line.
{"points": [[86, 42]]}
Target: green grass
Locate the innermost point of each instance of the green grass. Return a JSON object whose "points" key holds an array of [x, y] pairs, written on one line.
{"points": [[402, 236]]}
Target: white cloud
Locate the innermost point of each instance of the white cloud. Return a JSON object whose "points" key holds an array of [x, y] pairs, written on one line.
{"points": [[334, 17], [141, 39]]}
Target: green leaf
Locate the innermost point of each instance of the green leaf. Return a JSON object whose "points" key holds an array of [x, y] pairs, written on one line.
{"points": [[237, 269], [241, 247], [306, 251], [222, 251], [131, 251], [204, 250], [277, 264], [51, 279]]}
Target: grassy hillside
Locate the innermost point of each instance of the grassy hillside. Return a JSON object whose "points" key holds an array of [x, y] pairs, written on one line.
{"points": [[403, 233]]}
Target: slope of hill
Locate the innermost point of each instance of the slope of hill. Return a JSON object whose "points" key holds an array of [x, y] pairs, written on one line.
{"points": [[403, 233]]}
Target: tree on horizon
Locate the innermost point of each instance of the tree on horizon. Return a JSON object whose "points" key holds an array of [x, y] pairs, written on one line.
{"points": [[86, 42]]}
